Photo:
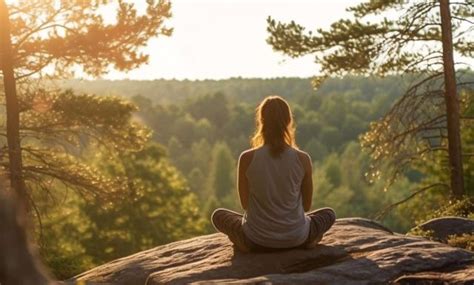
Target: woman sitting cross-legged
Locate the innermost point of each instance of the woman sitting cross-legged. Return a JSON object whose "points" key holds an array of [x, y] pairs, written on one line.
{"points": [[275, 189]]}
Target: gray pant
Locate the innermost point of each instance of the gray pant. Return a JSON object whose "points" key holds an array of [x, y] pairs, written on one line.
{"points": [[230, 223]]}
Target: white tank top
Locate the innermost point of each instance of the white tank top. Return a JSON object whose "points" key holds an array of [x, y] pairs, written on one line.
{"points": [[275, 216]]}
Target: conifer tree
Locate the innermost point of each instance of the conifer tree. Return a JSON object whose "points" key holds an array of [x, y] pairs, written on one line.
{"points": [[418, 38], [49, 38]]}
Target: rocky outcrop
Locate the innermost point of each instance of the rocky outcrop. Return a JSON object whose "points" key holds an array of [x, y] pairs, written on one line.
{"points": [[442, 228], [354, 251]]}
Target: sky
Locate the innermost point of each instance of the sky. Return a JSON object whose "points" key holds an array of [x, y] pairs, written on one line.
{"points": [[218, 39]]}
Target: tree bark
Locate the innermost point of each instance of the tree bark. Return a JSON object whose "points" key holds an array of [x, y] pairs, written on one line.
{"points": [[12, 109], [452, 103]]}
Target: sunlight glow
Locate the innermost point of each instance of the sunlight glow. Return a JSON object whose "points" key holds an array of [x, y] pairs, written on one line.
{"points": [[219, 39]]}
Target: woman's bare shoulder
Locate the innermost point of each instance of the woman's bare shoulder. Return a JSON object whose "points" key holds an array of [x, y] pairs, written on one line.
{"points": [[304, 157], [247, 155]]}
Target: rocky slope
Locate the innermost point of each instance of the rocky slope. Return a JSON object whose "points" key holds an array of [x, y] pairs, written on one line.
{"points": [[354, 251]]}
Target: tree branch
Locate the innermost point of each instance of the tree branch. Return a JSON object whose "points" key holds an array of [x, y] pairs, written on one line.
{"points": [[382, 213]]}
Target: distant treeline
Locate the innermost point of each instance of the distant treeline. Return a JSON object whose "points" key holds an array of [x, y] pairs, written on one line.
{"points": [[250, 90]]}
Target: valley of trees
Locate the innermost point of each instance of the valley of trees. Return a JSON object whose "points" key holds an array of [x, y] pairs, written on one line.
{"points": [[103, 169], [203, 134]]}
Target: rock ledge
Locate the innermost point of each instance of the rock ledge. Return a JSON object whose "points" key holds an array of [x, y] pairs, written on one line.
{"points": [[354, 251]]}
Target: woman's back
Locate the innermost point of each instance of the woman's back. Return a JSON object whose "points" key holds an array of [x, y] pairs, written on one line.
{"points": [[275, 187], [275, 215]]}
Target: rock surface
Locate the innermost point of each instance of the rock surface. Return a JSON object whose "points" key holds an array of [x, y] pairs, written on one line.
{"points": [[353, 251], [443, 227]]}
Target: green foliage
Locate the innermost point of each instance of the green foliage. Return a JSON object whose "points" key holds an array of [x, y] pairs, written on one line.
{"points": [[130, 200], [434, 168], [459, 208], [316, 149], [221, 179], [333, 172], [467, 137], [339, 182], [155, 206], [217, 115], [57, 127], [109, 118], [209, 206], [170, 92], [61, 233]]}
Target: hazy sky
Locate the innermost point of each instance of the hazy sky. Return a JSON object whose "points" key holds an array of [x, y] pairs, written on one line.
{"points": [[227, 38]]}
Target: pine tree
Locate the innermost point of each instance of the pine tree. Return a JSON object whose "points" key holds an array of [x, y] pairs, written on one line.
{"points": [[386, 37], [51, 38]]}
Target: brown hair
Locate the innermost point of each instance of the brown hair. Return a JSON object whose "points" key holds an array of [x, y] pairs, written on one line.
{"points": [[274, 125]]}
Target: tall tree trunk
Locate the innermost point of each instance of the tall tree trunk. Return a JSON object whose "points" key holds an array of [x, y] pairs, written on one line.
{"points": [[12, 109], [452, 103]]}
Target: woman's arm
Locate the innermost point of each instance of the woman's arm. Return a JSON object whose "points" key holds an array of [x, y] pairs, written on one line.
{"points": [[307, 184], [242, 182]]}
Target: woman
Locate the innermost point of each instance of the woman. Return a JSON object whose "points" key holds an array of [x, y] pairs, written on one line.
{"points": [[275, 189]]}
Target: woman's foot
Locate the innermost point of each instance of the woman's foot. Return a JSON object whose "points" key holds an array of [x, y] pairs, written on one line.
{"points": [[230, 223]]}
